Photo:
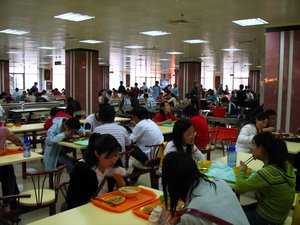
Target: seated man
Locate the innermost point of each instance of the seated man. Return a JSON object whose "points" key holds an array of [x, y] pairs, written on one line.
{"points": [[145, 132], [107, 117], [7, 174], [231, 108], [55, 113], [92, 121], [61, 129]]}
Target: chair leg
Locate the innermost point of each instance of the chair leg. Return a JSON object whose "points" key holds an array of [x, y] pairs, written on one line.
{"points": [[52, 210], [154, 179]]}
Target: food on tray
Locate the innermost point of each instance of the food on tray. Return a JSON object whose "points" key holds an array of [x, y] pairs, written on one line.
{"points": [[236, 171], [115, 199], [10, 125], [3, 151], [148, 208]]}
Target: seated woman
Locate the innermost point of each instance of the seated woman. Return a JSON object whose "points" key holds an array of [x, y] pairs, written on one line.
{"points": [[200, 125], [182, 180], [164, 115], [256, 124], [183, 140], [95, 174], [274, 183]]}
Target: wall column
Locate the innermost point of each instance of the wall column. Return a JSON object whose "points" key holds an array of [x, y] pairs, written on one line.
{"points": [[4, 76], [83, 78], [254, 80], [282, 75], [104, 77], [189, 72]]}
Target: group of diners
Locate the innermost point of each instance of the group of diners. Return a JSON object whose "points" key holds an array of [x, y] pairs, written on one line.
{"points": [[100, 171]]}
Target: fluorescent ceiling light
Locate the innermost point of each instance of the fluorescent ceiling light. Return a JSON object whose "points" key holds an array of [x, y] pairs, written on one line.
{"points": [[250, 22], [91, 41], [174, 53], [102, 63], [46, 47], [194, 41], [155, 33], [11, 31], [11, 52], [164, 59], [231, 49], [44, 63], [77, 17], [135, 46]]}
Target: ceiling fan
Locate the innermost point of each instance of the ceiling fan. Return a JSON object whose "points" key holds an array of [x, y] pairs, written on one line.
{"points": [[181, 20]]}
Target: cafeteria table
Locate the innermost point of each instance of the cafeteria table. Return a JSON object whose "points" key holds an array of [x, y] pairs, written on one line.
{"points": [[117, 120], [293, 147], [92, 215]]}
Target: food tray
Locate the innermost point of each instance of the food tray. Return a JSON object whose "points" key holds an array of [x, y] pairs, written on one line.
{"points": [[9, 151], [142, 197], [138, 210]]}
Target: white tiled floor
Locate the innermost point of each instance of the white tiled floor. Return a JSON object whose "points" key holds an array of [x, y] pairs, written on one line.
{"points": [[42, 213]]}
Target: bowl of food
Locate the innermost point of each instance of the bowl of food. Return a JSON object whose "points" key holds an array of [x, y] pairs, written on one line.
{"points": [[10, 125], [18, 124], [204, 165], [236, 171], [129, 191]]}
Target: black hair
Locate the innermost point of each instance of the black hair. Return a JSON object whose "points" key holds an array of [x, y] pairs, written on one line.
{"points": [[140, 112], [107, 113], [179, 128], [190, 110], [270, 112], [161, 106], [260, 116], [180, 176], [146, 95], [73, 123], [224, 100], [274, 148], [70, 99], [54, 111], [17, 89], [101, 143]]}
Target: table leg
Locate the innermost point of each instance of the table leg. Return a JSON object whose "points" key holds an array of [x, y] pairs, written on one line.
{"points": [[24, 170]]}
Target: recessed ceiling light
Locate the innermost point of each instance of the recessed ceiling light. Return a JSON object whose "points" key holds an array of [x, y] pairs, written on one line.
{"points": [[155, 33], [11, 31], [174, 53], [77, 17], [231, 49], [91, 41], [164, 59], [47, 47], [102, 63], [134, 46], [194, 41], [250, 22]]}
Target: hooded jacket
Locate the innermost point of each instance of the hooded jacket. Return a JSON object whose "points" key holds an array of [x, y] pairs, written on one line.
{"points": [[276, 189]]}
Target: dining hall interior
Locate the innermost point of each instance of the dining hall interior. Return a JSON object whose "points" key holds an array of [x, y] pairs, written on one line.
{"points": [[233, 61]]}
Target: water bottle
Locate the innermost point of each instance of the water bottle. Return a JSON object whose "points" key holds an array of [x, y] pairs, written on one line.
{"points": [[26, 143], [231, 158]]}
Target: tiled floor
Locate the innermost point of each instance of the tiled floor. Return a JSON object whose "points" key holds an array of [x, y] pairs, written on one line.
{"points": [[42, 213]]}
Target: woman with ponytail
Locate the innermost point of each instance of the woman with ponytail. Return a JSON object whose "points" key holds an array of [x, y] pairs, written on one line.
{"points": [[274, 183]]}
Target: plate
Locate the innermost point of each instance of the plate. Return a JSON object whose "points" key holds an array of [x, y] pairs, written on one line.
{"points": [[115, 199]]}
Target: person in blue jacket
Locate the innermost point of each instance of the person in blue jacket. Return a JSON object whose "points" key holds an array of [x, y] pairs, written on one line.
{"points": [[61, 129]]}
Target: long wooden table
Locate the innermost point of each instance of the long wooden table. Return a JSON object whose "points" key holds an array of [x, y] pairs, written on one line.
{"points": [[293, 147], [226, 120], [117, 120], [91, 215], [18, 158]]}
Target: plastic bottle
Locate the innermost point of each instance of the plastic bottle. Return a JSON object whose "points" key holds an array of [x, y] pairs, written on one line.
{"points": [[26, 143], [231, 158]]}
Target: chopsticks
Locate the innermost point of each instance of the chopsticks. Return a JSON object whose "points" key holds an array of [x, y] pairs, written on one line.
{"points": [[106, 202], [248, 160]]}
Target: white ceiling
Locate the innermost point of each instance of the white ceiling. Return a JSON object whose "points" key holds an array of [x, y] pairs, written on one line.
{"points": [[119, 23]]}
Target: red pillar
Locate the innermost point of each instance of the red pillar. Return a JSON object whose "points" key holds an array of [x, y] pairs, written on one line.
{"points": [[83, 80], [282, 75], [4, 76], [254, 80], [189, 72], [104, 77]]}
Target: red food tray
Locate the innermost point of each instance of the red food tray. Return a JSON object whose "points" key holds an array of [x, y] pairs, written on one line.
{"points": [[138, 210], [142, 197]]}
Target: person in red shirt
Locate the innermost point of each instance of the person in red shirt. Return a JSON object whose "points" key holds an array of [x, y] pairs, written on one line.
{"points": [[200, 125], [54, 113], [164, 115]]}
